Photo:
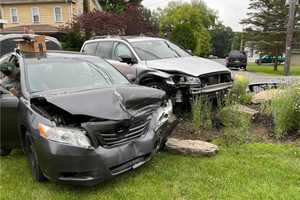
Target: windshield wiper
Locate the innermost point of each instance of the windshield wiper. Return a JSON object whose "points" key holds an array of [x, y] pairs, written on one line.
{"points": [[178, 55]]}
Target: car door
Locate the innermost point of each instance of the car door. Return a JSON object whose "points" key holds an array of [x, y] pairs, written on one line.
{"points": [[9, 135], [121, 49]]}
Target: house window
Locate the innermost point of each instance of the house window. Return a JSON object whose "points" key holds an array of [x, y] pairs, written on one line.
{"points": [[35, 15], [14, 15], [58, 15]]}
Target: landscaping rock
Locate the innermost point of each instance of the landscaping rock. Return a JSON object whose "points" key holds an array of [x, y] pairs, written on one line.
{"points": [[191, 147], [249, 111], [265, 96]]}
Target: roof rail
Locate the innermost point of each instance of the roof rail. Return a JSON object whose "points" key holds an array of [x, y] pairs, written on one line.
{"points": [[104, 37]]}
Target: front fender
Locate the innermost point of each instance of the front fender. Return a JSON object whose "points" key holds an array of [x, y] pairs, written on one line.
{"points": [[153, 74]]}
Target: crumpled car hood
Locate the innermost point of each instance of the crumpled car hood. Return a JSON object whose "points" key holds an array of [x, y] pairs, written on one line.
{"points": [[194, 66], [109, 103]]}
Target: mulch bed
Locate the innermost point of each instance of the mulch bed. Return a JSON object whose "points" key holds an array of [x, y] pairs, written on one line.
{"points": [[262, 130]]}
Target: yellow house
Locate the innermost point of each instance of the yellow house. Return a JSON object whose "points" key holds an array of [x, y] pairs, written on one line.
{"points": [[41, 16]]}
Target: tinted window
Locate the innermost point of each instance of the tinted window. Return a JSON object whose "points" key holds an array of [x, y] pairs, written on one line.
{"points": [[52, 45], [104, 49], [90, 48], [7, 46], [121, 50], [158, 49]]}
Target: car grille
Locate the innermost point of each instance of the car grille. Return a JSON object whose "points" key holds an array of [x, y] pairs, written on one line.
{"points": [[124, 134], [215, 79]]}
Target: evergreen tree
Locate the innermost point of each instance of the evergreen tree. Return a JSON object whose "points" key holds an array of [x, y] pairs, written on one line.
{"points": [[267, 24]]}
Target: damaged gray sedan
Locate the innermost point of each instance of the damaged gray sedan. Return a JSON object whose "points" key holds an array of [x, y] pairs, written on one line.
{"points": [[79, 120]]}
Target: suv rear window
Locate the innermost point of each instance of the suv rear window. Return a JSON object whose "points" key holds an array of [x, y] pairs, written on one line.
{"points": [[90, 48], [104, 49]]}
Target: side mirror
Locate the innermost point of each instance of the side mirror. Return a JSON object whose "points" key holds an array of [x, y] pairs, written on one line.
{"points": [[131, 78], [190, 51], [127, 59]]}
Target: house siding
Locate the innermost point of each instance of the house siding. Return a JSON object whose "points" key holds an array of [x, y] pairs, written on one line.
{"points": [[46, 12]]}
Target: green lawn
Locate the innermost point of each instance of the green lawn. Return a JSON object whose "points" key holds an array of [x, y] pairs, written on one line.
{"points": [[256, 171], [269, 69]]}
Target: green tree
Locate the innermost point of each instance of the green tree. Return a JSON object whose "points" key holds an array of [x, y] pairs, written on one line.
{"points": [[236, 43], [196, 17], [117, 6], [266, 26], [184, 36], [222, 38]]}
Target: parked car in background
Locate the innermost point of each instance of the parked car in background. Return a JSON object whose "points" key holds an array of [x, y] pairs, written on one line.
{"points": [[237, 59], [8, 43], [78, 119], [267, 59], [158, 63]]}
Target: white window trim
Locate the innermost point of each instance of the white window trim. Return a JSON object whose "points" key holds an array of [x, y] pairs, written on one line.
{"points": [[38, 11], [11, 16], [54, 14]]}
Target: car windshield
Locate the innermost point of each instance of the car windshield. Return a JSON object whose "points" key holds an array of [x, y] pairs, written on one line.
{"points": [[53, 74], [158, 49]]}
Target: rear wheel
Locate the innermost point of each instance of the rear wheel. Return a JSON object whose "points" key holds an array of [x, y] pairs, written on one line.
{"points": [[4, 152], [33, 160]]}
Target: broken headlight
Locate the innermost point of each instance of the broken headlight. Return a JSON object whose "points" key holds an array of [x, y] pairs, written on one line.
{"points": [[189, 80], [70, 136], [163, 114]]}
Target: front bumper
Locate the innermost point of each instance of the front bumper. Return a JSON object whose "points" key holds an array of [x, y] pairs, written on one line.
{"points": [[195, 91], [78, 166]]}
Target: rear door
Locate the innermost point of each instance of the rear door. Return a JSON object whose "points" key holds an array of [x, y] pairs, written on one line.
{"points": [[9, 135]]}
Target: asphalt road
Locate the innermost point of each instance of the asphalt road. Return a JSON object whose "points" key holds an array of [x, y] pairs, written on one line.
{"points": [[258, 78]]}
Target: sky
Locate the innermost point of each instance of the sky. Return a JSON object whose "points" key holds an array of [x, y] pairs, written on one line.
{"points": [[230, 12]]}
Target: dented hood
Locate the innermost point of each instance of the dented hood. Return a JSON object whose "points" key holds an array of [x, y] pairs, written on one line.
{"points": [[194, 66], [109, 103]]}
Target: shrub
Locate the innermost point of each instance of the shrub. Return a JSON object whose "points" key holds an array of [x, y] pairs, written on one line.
{"points": [[285, 109], [239, 93], [237, 125], [202, 113]]}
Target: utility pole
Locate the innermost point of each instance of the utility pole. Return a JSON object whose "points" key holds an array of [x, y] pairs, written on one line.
{"points": [[290, 34]]}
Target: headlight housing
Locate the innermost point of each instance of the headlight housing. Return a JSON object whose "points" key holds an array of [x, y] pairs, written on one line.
{"points": [[189, 80], [163, 115], [69, 136]]}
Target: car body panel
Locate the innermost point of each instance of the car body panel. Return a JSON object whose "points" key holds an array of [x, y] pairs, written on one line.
{"points": [[116, 109], [194, 66]]}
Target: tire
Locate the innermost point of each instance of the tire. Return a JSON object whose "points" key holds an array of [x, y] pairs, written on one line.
{"points": [[33, 161], [4, 152]]}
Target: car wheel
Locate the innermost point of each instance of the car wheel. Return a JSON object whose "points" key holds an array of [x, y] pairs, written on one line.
{"points": [[33, 161], [4, 152]]}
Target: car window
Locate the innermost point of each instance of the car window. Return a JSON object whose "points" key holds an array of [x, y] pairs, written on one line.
{"points": [[158, 49], [90, 48], [121, 50], [52, 45], [59, 73], [104, 49], [7, 46], [4, 59]]}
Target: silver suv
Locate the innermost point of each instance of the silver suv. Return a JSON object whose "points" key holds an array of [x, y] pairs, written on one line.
{"points": [[158, 63]]}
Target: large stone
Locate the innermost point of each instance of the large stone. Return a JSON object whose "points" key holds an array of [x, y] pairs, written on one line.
{"points": [[265, 96], [249, 111], [191, 147]]}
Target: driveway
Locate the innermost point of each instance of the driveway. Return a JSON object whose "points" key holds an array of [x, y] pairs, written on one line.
{"points": [[258, 78]]}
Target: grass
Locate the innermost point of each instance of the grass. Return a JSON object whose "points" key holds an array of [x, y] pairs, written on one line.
{"points": [[255, 171], [269, 69]]}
